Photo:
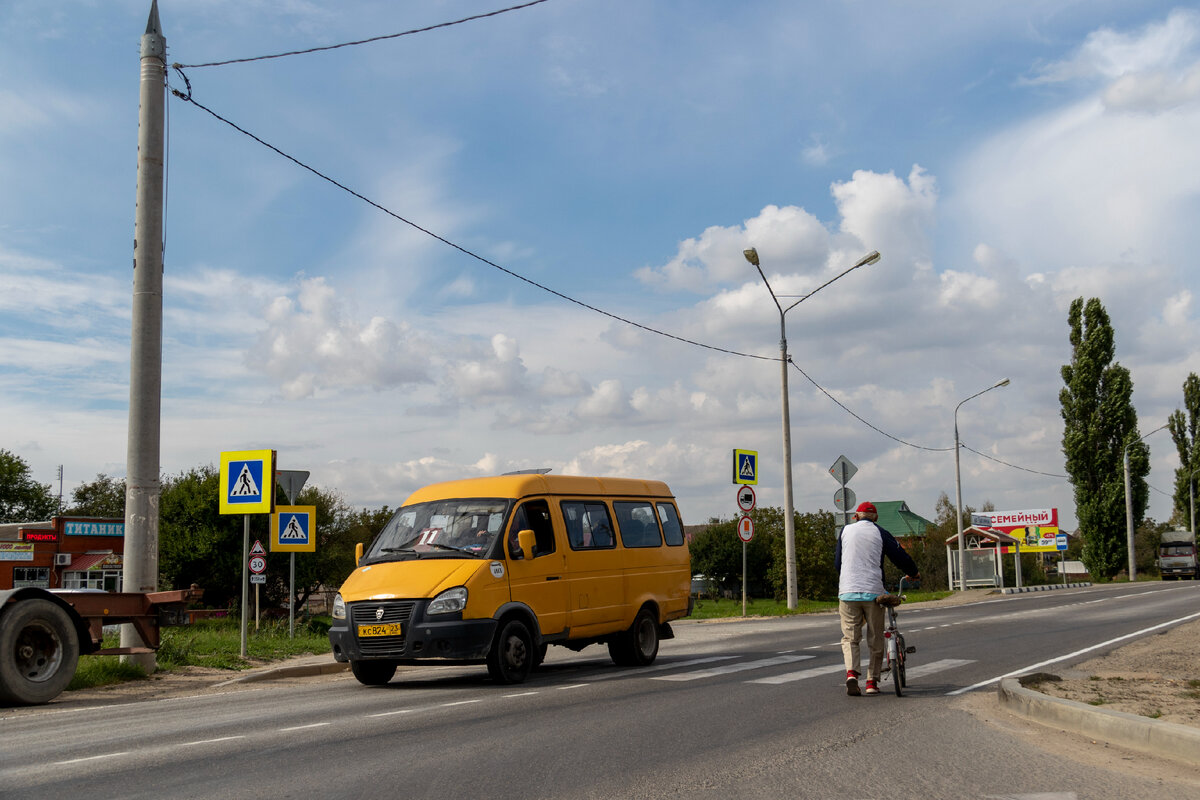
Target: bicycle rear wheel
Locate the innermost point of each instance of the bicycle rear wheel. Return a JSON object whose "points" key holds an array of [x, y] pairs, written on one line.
{"points": [[895, 657], [901, 677]]}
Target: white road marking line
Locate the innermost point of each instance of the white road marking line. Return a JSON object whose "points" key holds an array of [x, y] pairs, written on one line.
{"points": [[303, 727], [212, 741], [728, 668], [801, 675], [572, 686], [1041, 664], [659, 667], [390, 713], [92, 758], [520, 694], [921, 670], [460, 703]]}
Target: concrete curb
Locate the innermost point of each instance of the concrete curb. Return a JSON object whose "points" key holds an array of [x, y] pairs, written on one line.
{"points": [[1164, 739], [289, 671], [1047, 588]]}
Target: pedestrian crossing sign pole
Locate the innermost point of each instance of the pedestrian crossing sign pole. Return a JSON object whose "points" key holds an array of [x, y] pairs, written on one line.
{"points": [[247, 487]]}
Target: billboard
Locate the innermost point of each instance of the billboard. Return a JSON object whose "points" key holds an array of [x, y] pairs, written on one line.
{"points": [[1036, 528]]}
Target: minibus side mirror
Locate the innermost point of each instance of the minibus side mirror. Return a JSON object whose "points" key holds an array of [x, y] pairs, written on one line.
{"points": [[358, 551], [526, 541]]}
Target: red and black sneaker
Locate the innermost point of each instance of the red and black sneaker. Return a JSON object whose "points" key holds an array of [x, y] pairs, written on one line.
{"points": [[871, 688], [852, 683]]}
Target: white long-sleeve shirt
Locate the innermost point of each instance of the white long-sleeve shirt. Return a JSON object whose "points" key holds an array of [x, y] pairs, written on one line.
{"points": [[861, 548]]}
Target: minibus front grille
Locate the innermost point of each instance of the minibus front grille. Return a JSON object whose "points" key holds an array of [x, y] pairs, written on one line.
{"points": [[368, 613]]}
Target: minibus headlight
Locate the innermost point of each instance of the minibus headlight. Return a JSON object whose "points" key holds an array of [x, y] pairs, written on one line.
{"points": [[339, 606], [449, 601]]}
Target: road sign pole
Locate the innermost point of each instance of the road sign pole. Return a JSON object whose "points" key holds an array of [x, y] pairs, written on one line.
{"points": [[743, 577], [292, 598], [245, 576]]}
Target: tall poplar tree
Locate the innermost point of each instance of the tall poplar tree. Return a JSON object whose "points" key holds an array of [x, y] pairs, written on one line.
{"points": [[1099, 421], [1185, 427]]}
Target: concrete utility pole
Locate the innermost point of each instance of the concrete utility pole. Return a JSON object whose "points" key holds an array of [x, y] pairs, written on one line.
{"points": [[140, 571]]}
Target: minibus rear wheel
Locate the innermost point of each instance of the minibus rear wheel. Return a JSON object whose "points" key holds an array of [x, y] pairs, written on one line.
{"points": [[638, 646], [373, 672], [511, 657]]}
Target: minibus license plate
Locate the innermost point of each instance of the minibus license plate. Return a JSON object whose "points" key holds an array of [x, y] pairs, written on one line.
{"points": [[388, 629]]}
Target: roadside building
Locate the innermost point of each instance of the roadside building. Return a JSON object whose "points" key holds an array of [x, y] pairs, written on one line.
{"points": [[63, 553], [900, 521]]}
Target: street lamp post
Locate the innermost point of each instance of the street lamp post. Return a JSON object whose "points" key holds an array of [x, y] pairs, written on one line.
{"points": [[789, 523], [1129, 507], [962, 550]]}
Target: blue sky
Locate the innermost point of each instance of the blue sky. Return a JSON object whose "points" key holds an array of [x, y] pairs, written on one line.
{"points": [[1005, 158]]}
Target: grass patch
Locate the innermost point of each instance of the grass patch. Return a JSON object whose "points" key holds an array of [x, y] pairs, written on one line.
{"points": [[103, 671], [212, 643], [1099, 701]]}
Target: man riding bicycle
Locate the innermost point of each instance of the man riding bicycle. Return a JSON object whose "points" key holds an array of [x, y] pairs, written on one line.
{"points": [[861, 548]]}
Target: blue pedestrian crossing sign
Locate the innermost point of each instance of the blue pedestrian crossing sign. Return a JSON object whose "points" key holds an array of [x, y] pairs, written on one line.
{"points": [[294, 529], [745, 466], [247, 481]]}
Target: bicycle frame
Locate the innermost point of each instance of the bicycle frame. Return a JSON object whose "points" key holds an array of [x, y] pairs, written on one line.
{"points": [[895, 649]]}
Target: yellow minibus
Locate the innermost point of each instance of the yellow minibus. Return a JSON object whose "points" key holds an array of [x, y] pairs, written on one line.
{"points": [[493, 570]]}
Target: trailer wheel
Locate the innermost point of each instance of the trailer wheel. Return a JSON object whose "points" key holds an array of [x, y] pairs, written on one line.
{"points": [[39, 651]]}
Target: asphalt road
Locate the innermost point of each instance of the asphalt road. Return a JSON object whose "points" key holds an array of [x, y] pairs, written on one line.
{"points": [[746, 709]]}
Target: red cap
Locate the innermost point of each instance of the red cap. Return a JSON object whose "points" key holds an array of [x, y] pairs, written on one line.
{"points": [[865, 508]]}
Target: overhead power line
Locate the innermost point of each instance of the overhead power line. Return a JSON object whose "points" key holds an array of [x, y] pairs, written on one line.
{"points": [[366, 41], [456, 246]]}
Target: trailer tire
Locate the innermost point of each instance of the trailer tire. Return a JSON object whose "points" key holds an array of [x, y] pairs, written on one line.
{"points": [[39, 650]]}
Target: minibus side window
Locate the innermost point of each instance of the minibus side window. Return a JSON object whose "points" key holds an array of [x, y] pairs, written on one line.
{"points": [[533, 515], [589, 526], [637, 524], [672, 528]]}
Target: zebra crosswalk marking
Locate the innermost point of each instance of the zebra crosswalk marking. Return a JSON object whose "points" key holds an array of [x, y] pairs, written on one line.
{"points": [[730, 668]]}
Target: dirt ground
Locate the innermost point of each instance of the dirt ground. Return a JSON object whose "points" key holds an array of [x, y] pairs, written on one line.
{"points": [[1157, 676]]}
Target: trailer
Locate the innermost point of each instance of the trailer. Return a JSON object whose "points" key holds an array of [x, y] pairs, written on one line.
{"points": [[43, 633]]}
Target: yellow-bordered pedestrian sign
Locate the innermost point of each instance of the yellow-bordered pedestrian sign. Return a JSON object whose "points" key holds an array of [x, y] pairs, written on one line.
{"points": [[247, 481], [294, 529], [745, 466]]}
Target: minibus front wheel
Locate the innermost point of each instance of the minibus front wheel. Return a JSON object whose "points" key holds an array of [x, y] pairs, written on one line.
{"points": [[374, 672], [512, 654]]}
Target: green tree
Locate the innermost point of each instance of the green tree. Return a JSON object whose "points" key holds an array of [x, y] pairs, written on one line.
{"points": [[22, 499], [717, 554], [1185, 427], [196, 543], [816, 540], [1099, 423], [103, 497]]}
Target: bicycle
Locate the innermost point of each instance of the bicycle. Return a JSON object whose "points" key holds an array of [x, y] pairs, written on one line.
{"points": [[895, 651]]}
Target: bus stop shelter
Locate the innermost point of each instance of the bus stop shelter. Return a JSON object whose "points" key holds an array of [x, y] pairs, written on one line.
{"points": [[983, 560]]}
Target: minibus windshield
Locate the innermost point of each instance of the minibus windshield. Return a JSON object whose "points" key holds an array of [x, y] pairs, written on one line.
{"points": [[457, 528]]}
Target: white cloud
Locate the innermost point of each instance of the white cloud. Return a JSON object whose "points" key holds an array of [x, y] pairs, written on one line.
{"points": [[889, 214], [310, 344], [1109, 54], [607, 402]]}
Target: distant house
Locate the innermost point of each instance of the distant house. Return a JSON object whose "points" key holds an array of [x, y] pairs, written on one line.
{"points": [[900, 521]]}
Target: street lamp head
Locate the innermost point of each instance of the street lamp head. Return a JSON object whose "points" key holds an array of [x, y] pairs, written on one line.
{"points": [[751, 256], [1001, 383], [870, 258]]}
